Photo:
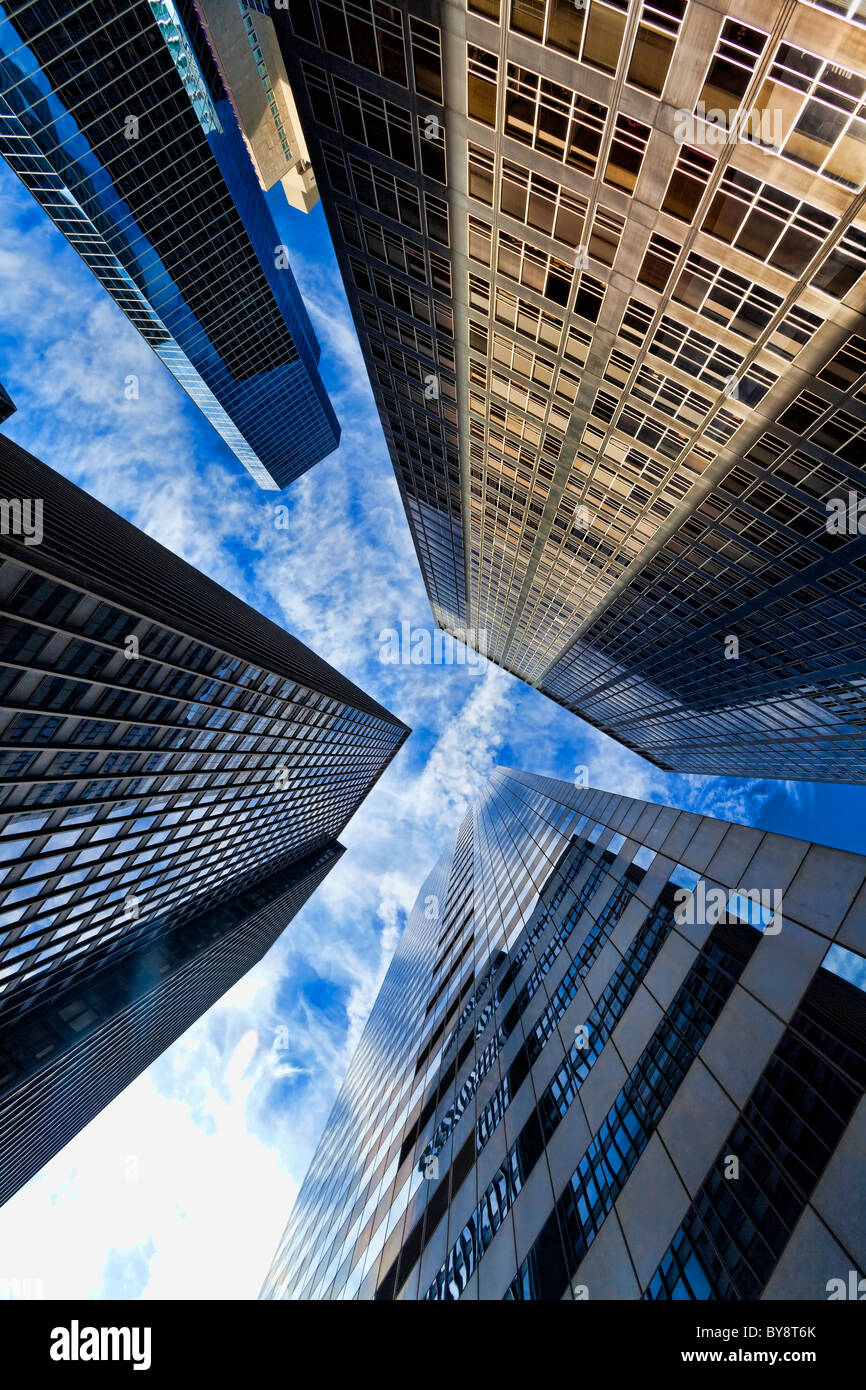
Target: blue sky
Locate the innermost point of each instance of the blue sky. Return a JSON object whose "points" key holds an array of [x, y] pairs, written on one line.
{"points": [[181, 1187]]}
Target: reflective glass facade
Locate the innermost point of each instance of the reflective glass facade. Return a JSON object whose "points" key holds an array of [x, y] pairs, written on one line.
{"points": [[7, 405], [617, 347], [115, 116], [175, 770], [75, 1052], [561, 1065]]}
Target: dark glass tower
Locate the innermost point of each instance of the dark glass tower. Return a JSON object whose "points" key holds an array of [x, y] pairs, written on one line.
{"points": [[614, 1057], [114, 115], [175, 770], [619, 352], [7, 405]]}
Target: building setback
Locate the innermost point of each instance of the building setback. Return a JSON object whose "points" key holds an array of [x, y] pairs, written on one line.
{"points": [[241, 35], [175, 771], [606, 266], [519, 1119], [115, 116]]}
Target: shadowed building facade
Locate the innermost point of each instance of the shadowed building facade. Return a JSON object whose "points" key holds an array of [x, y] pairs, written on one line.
{"points": [[606, 267], [116, 118], [175, 770], [583, 1080]]}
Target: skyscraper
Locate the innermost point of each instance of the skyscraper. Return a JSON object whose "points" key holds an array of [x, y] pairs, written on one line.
{"points": [[620, 1053], [241, 34], [7, 405], [606, 266], [115, 116], [175, 770]]}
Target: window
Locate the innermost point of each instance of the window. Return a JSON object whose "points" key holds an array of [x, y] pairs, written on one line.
{"points": [[553, 119], [523, 317], [565, 26], [658, 262], [687, 183], [53, 692], [842, 267], [108, 624], [703, 358], [640, 426], [593, 33], [527, 17], [481, 84], [725, 298], [847, 364], [812, 112], [392, 196], [380, 124], [538, 270], [320, 95], [737, 52], [669, 397], [426, 59], [436, 210], [604, 31], [42, 599], [607, 229], [433, 160], [654, 44], [481, 169], [480, 241], [766, 222], [32, 728], [369, 34], [627, 150]]}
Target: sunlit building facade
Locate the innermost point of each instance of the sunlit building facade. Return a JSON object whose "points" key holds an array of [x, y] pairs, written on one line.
{"points": [[115, 116], [606, 264], [175, 770], [244, 43], [582, 1080]]}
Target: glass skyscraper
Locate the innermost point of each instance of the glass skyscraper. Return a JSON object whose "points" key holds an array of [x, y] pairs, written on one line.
{"points": [[7, 405], [620, 1053], [175, 770], [115, 116], [606, 262]]}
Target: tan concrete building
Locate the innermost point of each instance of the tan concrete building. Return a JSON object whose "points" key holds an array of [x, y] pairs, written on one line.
{"points": [[606, 265], [247, 53]]}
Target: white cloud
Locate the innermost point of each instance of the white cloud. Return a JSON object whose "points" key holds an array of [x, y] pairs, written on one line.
{"points": [[156, 1197]]}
